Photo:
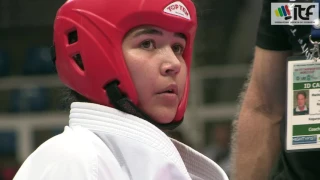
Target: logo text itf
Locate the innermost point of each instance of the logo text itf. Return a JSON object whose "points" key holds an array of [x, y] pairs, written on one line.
{"points": [[294, 13], [303, 13]]}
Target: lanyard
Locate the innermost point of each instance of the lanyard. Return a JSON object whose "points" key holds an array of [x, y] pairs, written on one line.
{"points": [[315, 34], [315, 31]]}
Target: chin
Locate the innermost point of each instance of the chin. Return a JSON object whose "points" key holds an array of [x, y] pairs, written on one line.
{"points": [[163, 115], [164, 119]]}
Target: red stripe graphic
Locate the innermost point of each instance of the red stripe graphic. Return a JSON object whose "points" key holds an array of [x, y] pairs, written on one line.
{"points": [[287, 10]]}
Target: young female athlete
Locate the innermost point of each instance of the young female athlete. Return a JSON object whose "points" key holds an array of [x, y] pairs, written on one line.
{"points": [[130, 60]]}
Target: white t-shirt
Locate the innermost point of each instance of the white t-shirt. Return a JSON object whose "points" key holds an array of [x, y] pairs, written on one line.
{"points": [[102, 143]]}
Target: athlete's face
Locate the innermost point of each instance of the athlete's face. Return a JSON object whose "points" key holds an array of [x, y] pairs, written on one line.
{"points": [[158, 70]]}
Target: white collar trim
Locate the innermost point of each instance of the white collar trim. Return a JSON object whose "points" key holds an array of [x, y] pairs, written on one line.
{"points": [[104, 119]]}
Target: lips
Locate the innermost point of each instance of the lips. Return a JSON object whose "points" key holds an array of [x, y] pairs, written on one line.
{"points": [[172, 89]]}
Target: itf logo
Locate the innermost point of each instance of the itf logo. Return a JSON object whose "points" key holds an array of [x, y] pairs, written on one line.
{"points": [[294, 13]]}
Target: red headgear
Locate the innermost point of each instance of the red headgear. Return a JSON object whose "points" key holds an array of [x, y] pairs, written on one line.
{"points": [[93, 31]]}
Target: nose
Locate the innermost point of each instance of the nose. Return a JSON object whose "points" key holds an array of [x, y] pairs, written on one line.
{"points": [[171, 63]]}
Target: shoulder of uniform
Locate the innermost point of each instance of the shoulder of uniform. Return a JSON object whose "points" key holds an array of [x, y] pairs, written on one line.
{"points": [[69, 155], [71, 145]]}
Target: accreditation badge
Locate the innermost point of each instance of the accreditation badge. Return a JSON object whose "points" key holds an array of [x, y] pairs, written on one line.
{"points": [[303, 104]]}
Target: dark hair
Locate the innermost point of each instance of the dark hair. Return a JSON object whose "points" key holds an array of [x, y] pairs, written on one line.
{"points": [[302, 93], [69, 96]]}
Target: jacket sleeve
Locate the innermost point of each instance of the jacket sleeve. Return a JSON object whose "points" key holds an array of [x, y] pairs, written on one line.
{"points": [[271, 37]]}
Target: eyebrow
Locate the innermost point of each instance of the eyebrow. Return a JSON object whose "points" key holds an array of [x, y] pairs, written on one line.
{"points": [[152, 31]]}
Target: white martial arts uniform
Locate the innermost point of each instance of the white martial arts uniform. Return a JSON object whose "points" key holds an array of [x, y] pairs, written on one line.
{"points": [[102, 143]]}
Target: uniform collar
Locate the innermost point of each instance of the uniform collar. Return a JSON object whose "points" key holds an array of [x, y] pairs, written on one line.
{"points": [[108, 120]]}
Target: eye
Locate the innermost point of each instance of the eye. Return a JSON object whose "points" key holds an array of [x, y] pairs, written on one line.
{"points": [[178, 49], [148, 44]]}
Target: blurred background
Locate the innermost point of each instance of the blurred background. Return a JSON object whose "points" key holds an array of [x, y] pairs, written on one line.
{"points": [[32, 111]]}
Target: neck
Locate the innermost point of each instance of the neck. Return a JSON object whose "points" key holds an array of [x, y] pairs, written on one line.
{"points": [[301, 108]]}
